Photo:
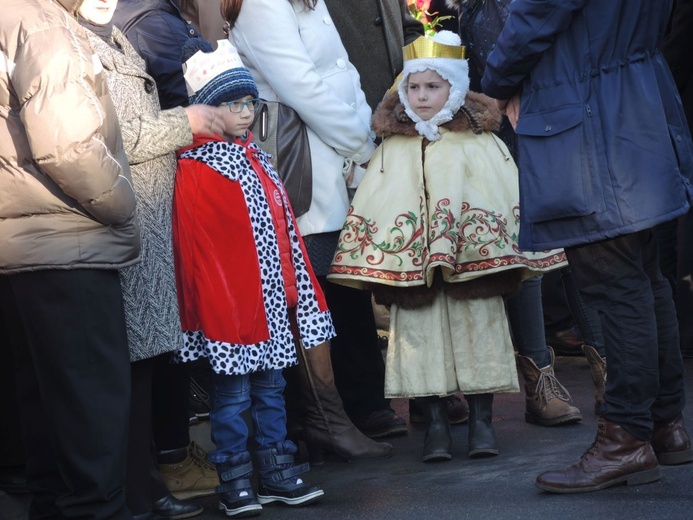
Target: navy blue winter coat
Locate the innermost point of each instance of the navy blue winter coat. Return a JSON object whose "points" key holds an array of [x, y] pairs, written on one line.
{"points": [[158, 31], [603, 146]]}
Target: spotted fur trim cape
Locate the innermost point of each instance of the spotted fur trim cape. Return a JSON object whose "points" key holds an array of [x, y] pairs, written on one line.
{"points": [[231, 271]]}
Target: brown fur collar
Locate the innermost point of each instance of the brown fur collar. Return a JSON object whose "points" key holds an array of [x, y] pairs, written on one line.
{"points": [[479, 114]]}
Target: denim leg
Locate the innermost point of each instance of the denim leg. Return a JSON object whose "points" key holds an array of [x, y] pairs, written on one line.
{"points": [[267, 410], [620, 279], [586, 318], [526, 319], [230, 398]]}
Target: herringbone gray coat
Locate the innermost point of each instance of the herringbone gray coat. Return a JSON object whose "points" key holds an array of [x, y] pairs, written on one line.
{"points": [[150, 137]]}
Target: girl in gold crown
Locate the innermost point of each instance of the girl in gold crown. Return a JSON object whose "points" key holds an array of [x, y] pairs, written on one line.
{"points": [[433, 230]]}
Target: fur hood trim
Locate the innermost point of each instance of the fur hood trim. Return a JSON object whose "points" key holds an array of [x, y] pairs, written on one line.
{"points": [[479, 113]]}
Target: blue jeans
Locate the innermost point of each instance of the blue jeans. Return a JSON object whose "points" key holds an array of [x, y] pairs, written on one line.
{"points": [[620, 279], [262, 393]]}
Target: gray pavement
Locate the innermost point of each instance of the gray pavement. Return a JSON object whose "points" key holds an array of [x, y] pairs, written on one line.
{"points": [[499, 488]]}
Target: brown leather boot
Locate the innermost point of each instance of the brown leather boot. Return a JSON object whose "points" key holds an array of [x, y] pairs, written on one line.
{"points": [[671, 442], [598, 370], [548, 403], [615, 457], [327, 425]]}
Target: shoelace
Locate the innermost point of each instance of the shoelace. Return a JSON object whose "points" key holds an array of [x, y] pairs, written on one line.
{"points": [[199, 457], [548, 386], [592, 450]]}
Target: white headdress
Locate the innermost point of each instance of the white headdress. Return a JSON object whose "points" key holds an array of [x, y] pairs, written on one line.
{"points": [[444, 54]]}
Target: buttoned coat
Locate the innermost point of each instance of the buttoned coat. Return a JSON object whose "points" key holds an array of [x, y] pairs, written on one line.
{"points": [[296, 56], [603, 147], [150, 138], [373, 33]]}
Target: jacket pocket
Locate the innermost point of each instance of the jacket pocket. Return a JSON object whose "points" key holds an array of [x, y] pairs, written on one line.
{"points": [[557, 158]]}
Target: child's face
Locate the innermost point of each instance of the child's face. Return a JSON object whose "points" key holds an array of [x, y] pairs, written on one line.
{"points": [[237, 123], [427, 93]]}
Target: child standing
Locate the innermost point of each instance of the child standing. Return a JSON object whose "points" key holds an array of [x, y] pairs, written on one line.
{"points": [[245, 286], [432, 230]]}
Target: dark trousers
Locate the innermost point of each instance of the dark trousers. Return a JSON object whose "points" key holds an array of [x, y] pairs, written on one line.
{"points": [[357, 362], [11, 446], [143, 482], [67, 329], [621, 279], [171, 392]]}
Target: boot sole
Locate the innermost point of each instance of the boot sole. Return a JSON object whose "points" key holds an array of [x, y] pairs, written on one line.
{"points": [[634, 479], [242, 512], [558, 421], [437, 457], [304, 500], [673, 458], [186, 495], [484, 452]]}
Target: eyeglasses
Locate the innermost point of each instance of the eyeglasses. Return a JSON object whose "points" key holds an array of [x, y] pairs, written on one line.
{"points": [[237, 106]]}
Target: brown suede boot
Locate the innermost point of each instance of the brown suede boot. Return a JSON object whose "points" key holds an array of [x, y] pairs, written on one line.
{"points": [[615, 457], [327, 425], [671, 442], [192, 477], [548, 402], [598, 370]]}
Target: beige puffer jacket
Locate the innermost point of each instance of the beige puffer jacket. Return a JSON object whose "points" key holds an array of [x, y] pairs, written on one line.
{"points": [[66, 198]]}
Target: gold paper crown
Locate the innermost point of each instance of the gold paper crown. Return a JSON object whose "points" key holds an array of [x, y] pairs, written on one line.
{"points": [[427, 48]]}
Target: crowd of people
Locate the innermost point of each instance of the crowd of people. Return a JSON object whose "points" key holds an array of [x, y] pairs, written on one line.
{"points": [[147, 240]]}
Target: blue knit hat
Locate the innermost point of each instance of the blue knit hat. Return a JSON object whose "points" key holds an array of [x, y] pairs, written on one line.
{"points": [[215, 77]]}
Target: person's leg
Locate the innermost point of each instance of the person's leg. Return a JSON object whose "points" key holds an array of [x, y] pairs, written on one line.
{"points": [[358, 363], [547, 402], [12, 455], [230, 400], [589, 324], [619, 279], [170, 394], [561, 331], [613, 278], [71, 345], [182, 464], [274, 455], [145, 490], [586, 318], [526, 318]]}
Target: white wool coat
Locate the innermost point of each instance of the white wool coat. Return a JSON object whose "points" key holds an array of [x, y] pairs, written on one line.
{"points": [[297, 57]]}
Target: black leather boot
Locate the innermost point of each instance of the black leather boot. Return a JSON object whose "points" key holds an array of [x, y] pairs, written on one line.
{"points": [[482, 440], [438, 440]]}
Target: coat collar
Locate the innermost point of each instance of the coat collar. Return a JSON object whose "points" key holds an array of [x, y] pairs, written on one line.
{"points": [[479, 114]]}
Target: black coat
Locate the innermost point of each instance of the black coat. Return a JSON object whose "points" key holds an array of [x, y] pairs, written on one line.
{"points": [[158, 31]]}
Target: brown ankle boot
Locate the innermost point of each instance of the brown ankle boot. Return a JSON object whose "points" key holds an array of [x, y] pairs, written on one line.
{"points": [[327, 426], [548, 402], [671, 442], [598, 370], [615, 457]]}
